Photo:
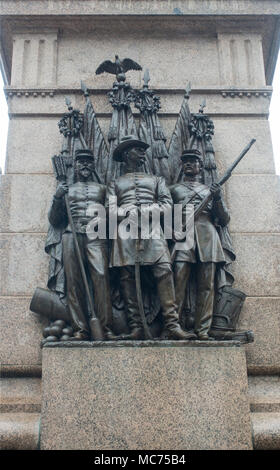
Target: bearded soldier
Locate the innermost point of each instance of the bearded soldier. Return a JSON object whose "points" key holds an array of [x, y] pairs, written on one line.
{"points": [[133, 190], [84, 195], [207, 250]]}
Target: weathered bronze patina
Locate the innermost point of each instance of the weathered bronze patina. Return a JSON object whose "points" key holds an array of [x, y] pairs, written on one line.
{"points": [[136, 287], [133, 190], [83, 195], [207, 249]]}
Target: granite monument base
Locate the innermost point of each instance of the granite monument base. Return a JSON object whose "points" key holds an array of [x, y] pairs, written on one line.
{"points": [[145, 395]]}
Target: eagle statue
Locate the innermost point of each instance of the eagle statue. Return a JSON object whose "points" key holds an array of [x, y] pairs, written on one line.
{"points": [[117, 67]]}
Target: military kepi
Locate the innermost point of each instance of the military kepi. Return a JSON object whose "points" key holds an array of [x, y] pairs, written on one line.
{"points": [[83, 153], [191, 153], [126, 143]]}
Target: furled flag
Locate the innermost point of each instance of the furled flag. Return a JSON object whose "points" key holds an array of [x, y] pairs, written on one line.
{"points": [[122, 122], [180, 138], [93, 137], [150, 130]]}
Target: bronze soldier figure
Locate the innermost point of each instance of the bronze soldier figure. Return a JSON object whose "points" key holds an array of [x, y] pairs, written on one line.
{"points": [[207, 249], [82, 195], [132, 190]]}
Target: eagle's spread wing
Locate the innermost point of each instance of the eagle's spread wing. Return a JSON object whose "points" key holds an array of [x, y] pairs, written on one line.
{"points": [[107, 66], [129, 64]]}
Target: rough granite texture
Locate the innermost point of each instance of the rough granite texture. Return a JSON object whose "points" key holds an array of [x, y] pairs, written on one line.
{"points": [[20, 336], [257, 265], [26, 209], [24, 263], [141, 7], [261, 314], [19, 431], [20, 395], [266, 431], [246, 215], [264, 393], [145, 398]]}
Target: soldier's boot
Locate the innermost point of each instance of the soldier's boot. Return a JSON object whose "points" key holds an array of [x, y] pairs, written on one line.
{"points": [[109, 335], [205, 300], [166, 293], [205, 337], [79, 336], [128, 290]]}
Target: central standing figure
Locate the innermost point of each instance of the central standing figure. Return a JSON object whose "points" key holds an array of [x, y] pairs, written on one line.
{"points": [[133, 190]]}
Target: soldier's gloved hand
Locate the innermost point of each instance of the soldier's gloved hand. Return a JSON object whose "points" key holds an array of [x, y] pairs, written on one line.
{"points": [[215, 189], [61, 190]]}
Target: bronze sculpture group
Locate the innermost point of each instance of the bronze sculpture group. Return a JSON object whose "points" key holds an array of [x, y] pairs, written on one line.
{"points": [[135, 288]]}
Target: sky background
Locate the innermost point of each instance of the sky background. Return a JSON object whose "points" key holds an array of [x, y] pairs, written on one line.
{"points": [[273, 119]]}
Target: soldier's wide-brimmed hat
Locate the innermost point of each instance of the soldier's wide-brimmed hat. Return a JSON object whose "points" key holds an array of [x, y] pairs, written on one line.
{"points": [[126, 143], [84, 153], [191, 153]]}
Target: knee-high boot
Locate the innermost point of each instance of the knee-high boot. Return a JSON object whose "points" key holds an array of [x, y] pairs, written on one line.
{"points": [[166, 293], [128, 289]]}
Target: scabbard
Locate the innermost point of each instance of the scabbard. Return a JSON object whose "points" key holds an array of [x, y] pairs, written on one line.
{"points": [[146, 329]]}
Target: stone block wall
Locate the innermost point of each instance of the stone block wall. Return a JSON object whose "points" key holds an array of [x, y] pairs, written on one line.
{"points": [[226, 51]]}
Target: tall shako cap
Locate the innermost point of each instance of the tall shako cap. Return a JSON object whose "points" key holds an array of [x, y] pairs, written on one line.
{"points": [[84, 153], [191, 153], [127, 142]]}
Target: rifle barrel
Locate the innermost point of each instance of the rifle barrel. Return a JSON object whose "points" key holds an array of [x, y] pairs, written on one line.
{"points": [[224, 178], [227, 174]]}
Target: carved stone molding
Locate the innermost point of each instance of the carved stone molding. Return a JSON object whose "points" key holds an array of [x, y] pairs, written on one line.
{"points": [[34, 59], [246, 93], [241, 59], [12, 91]]}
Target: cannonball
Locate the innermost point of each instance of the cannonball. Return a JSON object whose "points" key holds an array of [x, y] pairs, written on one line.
{"points": [[55, 331], [46, 332], [60, 323], [52, 338], [68, 331], [65, 338]]}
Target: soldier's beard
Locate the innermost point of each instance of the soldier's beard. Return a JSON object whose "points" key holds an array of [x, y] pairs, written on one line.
{"points": [[79, 176]]}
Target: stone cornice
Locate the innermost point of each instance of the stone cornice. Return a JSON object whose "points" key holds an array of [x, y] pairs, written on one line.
{"points": [[199, 17], [138, 7], [225, 92], [221, 101]]}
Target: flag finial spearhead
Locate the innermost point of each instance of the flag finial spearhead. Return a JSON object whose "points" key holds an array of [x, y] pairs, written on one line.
{"points": [[84, 89], [146, 78], [202, 106], [188, 90]]}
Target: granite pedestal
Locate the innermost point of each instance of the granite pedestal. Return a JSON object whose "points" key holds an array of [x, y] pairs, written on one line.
{"points": [[145, 395]]}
